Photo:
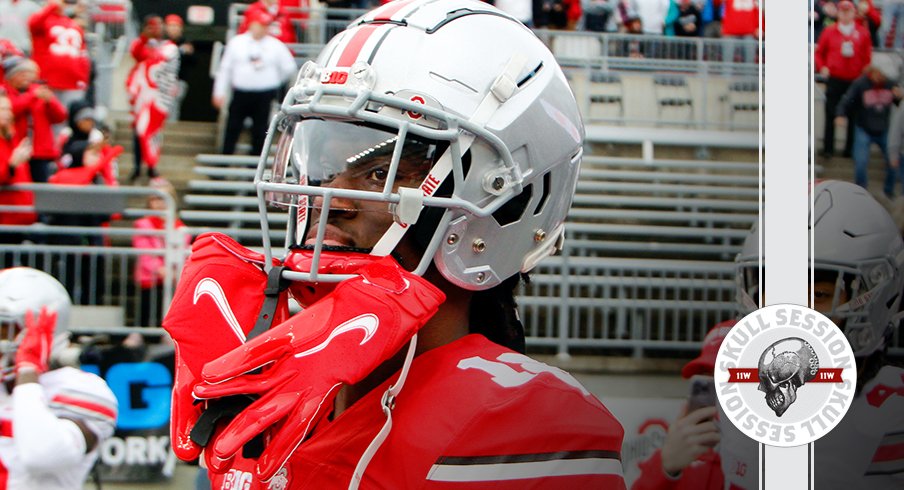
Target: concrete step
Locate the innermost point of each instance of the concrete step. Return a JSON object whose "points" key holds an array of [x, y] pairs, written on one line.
{"points": [[202, 140]]}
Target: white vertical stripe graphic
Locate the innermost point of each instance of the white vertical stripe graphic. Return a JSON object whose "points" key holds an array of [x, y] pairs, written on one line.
{"points": [[519, 471], [787, 79]]}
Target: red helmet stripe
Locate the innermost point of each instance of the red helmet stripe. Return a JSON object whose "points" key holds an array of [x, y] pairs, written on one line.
{"points": [[390, 9], [353, 48]]}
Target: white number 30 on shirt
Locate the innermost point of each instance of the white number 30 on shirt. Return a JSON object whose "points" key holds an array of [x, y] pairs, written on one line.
{"points": [[66, 41], [508, 377]]}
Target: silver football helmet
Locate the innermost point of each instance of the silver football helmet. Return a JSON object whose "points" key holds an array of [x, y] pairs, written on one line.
{"points": [[857, 243], [23, 289], [449, 116]]}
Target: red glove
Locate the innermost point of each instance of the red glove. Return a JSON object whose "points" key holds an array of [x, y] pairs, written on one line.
{"points": [[306, 293], [216, 305], [34, 350], [307, 358]]}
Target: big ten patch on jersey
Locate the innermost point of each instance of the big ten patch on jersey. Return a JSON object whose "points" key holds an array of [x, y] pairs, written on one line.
{"points": [[241, 477], [237, 480]]}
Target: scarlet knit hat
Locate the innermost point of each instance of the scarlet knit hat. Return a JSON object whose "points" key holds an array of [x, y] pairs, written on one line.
{"points": [[705, 363]]}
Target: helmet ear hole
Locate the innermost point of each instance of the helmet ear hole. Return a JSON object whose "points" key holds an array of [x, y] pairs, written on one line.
{"points": [[544, 194], [513, 210]]}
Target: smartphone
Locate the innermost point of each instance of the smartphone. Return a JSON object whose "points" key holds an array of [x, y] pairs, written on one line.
{"points": [[702, 392]]}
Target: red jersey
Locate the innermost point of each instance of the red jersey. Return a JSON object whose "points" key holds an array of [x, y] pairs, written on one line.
{"points": [[472, 414], [42, 114], [741, 18], [703, 474], [281, 28], [58, 47], [846, 56], [874, 427], [9, 176], [294, 14]]}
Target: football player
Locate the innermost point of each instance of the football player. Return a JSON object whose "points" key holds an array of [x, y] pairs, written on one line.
{"points": [[53, 419], [427, 159], [858, 281]]}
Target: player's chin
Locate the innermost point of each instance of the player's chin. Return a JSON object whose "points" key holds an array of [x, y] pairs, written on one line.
{"points": [[329, 243]]}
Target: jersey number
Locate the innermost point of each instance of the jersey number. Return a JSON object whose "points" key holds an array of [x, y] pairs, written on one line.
{"points": [[504, 374], [877, 396], [66, 41]]}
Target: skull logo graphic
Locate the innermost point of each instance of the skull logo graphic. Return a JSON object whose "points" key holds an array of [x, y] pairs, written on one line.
{"points": [[784, 367]]}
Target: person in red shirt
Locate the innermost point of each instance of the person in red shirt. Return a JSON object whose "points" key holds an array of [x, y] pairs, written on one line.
{"points": [[15, 151], [59, 48], [557, 14], [148, 49], [281, 25], [36, 110], [843, 51], [741, 20]]}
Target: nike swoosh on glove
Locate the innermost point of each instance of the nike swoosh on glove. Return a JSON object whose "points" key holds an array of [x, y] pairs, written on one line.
{"points": [[34, 350], [339, 340], [215, 306]]}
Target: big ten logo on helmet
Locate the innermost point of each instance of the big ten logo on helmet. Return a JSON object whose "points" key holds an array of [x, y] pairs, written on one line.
{"points": [[334, 77], [785, 375]]}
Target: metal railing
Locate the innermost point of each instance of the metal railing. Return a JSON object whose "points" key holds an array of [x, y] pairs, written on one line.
{"points": [[636, 304], [701, 61], [112, 19], [647, 52], [96, 264]]}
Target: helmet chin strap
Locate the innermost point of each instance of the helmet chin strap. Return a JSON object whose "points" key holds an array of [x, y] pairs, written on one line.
{"points": [[388, 404], [503, 88]]}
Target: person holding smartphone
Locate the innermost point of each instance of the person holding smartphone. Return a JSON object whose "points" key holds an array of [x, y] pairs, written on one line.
{"points": [[35, 111], [689, 457]]}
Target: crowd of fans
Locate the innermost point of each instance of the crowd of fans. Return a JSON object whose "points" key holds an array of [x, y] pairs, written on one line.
{"points": [[861, 93], [49, 128], [52, 132]]}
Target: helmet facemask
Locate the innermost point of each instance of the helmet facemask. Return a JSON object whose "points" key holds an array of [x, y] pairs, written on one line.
{"points": [[24, 290], [10, 330], [864, 301]]}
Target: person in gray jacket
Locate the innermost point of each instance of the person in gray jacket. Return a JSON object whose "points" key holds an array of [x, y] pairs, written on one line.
{"points": [[896, 140]]}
